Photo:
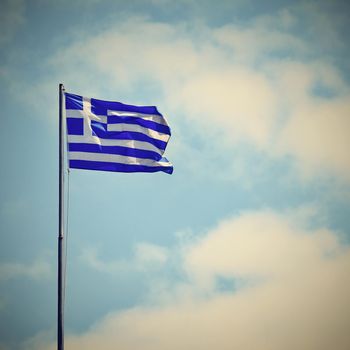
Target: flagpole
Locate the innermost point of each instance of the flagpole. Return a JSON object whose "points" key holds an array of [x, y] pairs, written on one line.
{"points": [[60, 277]]}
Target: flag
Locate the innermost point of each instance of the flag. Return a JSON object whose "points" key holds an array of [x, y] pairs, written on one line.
{"points": [[113, 136]]}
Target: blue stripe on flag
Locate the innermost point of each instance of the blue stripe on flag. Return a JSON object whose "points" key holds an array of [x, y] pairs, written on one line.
{"points": [[123, 151], [99, 129], [117, 167], [113, 119], [101, 107], [74, 101]]}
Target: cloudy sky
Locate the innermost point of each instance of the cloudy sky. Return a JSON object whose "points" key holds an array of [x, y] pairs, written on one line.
{"points": [[246, 245]]}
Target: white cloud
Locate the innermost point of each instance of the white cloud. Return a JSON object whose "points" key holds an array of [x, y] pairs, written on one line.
{"points": [[238, 102], [38, 269], [318, 134], [150, 254], [300, 300], [268, 246], [146, 256], [263, 36]]}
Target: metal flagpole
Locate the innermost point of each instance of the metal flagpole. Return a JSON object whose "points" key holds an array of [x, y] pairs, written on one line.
{"points": [[60, 284]]}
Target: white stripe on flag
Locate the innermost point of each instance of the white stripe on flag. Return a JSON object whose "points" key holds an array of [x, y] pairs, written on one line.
{"points": [[109, 142], [78, 113], [152, 117], [114, 158]]}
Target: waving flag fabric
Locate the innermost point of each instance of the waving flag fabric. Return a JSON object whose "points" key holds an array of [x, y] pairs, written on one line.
{"points": [[113, 136]]}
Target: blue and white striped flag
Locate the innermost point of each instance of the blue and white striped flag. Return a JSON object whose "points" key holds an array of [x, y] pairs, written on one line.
{"points": [[113, 136]]}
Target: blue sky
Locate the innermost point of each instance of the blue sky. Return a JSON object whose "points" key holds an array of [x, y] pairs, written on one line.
{"points": [[246, 245]]}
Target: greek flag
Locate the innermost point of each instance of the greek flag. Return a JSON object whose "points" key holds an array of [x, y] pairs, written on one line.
{"points": [[113, 136]]}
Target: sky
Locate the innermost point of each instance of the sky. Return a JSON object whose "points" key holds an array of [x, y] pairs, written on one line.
{"points": [[246, 244]]}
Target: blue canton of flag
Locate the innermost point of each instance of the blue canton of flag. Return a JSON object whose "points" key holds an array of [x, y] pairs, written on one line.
{"points": [[112, 136]]}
